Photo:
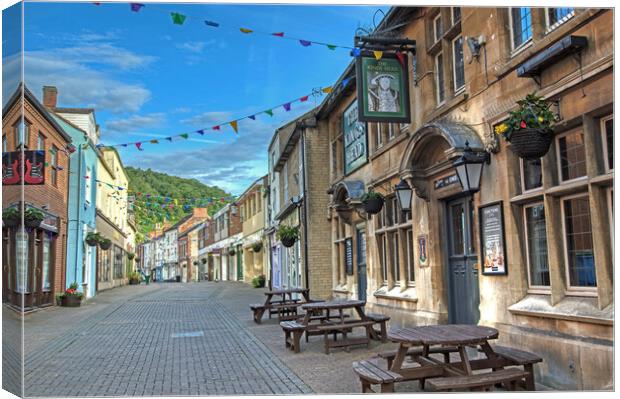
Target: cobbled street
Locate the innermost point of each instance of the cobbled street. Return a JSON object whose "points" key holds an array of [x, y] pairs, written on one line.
{"points": [[176, 339]]}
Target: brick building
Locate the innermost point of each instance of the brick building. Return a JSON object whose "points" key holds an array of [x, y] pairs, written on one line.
{"points": [[252, 205], [36, 257], [429, 265], [187, 241]]}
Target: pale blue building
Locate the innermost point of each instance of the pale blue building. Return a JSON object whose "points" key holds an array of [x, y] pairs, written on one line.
{"points": [[81, 258]]}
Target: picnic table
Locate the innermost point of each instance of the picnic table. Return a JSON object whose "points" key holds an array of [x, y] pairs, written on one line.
{"points": [[285, 306], [338, 324], [420, 342]]}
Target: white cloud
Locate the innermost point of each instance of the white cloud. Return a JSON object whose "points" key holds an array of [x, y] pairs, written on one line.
{"points": [[135, 123], [192, 47], [79, 83], [206, 119]]}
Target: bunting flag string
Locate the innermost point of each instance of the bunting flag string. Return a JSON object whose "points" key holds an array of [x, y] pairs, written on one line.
{"points": [[179, 19], [234, 124]]}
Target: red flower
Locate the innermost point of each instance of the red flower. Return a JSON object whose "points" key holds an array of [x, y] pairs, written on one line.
{"points": [[523, 125]]}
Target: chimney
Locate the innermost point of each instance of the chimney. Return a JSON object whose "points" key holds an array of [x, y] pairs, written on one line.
{"points": [[50, 96]]}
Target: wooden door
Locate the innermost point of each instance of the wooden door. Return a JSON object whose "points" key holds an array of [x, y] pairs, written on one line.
{"points": [[463, 291]]}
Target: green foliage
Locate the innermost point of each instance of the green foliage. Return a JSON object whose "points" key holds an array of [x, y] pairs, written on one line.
{"points": [[134, 277], [10, 213], [258, 281], [370, 195], [33, 214], [130, 255], [289, 232], [257, 246], [160, 184], [533, 113]]}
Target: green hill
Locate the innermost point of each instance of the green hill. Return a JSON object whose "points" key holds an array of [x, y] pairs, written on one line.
{"points": [[160, 197]]}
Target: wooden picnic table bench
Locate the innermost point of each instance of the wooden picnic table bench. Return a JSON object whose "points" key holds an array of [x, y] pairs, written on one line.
{"points": [[344, 328], [371, 373], [282, 306], [413, 352], [477, 381], [518, 357]]}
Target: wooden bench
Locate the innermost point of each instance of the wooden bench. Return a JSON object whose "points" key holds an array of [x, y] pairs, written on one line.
{"points": [[482, 381], [517, 357], [285, 311], [382, 320], [370, 373], [412, 352], [258, 309], [344, 328], [292, 334]]}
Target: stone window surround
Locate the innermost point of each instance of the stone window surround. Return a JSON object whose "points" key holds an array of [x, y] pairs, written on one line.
{"points": [[553, 192]]}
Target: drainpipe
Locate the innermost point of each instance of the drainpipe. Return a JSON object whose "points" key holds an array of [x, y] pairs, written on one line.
{"points": [[79, 205]]}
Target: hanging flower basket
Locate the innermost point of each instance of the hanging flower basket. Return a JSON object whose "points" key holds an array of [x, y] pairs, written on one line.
{"points": [[33, 217], [257, 246], [71, 298], [130, 255], [105, 244], [204, 260], [92, 239], [231, 251], [287, 235], [10, 217], [530, 143], [529, 129], [372, 202]]}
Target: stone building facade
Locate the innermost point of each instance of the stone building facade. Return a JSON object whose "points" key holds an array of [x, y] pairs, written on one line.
{"points": [[427, 266], [226, 256], [34, 259]]}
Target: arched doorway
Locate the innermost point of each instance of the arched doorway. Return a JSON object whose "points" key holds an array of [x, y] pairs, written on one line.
{"points": [[447, 215]]}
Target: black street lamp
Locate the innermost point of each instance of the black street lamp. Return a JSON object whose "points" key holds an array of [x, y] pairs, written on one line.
{"points": [[404, 194], [469, 168]]}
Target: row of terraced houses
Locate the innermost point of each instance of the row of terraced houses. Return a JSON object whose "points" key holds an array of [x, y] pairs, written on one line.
{"points": [[78, 187]]}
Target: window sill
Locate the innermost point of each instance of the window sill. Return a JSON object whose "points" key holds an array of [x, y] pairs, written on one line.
{"points": [[446, 106], [435, 48], [581, 309], [603, 180], [397, 293], [570, 187], [385, 147], [529, 196]]}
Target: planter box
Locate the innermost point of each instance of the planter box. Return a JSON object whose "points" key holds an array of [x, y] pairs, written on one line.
{"points": [[71, 301]]}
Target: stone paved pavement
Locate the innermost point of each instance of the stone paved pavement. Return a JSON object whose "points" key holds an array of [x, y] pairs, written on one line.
{"points": [[177, 339]]}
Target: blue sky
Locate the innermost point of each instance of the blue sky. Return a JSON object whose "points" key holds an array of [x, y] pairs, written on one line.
{"points": [[147, 77]]}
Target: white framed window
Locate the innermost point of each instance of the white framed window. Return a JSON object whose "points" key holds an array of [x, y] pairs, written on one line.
{"points": [[378, 135], [536, 247], [455, 14], [555, 17], [410, 257], [578, 247], [439, 80], [383, 257], [392, 131], [285, 175], [520, 19], [458, 64], [607, 131], [41, 142], [571, 155], [437, 28], [531, 174]]}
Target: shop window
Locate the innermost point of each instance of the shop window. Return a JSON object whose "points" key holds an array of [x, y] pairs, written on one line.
{"points": [[572, 155], [381, 240], [410, 256], [458, 64], [557, 16], [439, 79], [54, 165], [578, 242], [607, 128], [520, 26], [117, 258], [536, 245], [531, 174], [21, 259], [455, 13], [45, 266], [437, 28]]}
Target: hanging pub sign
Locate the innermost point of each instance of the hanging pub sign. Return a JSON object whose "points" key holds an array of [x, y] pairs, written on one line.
{"points": [[30, 171], [383, 87], [492, 243], [355, 139]]}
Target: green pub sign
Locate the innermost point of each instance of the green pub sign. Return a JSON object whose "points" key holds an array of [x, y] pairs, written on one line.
{"points": [[354, 139], [383, 88]]}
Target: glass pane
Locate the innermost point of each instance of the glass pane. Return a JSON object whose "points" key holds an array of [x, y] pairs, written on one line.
{"points": [[459, 65], [609, 137], [532, 173], [438, 28], [394, 261], [456, 14], [581, 267], [46, 263], [410, 263], [537, 245], [521, 25], [439, 78], [558, 14], [457, 213], [572, 156], [21, 252]]}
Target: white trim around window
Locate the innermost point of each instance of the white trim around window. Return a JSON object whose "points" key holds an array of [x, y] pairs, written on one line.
{"points": [[574, 290], [459, 89], [522, 46], [558, 23], [524, 189], [440, 95], [437, 33], [559, 155], [452, 20]]}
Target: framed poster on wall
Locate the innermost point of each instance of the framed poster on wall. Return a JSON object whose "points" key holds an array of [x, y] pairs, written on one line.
{"points": [[383, 88], [492, 239]]}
